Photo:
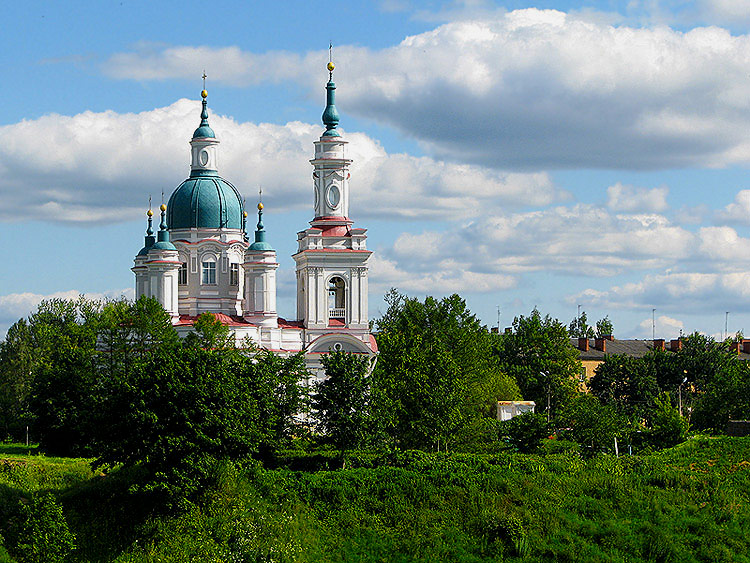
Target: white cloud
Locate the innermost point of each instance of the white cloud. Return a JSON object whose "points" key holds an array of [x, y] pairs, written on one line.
{"points": [[448, 277], [737, 211], [495, 252], [103, 166], [676, 292], [578, 240], [626, 198], [528, 88], [661, 327], [735, 12]]}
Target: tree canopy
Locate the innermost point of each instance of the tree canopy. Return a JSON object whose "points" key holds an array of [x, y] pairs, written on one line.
{"points": [[537, 353], [435, 373]]}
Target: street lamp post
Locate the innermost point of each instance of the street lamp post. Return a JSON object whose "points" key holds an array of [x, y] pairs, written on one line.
{"points": [[679, 391]]}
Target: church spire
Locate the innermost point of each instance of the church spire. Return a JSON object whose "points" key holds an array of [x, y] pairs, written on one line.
{"points": [[162, 237], [260, 233], [204, 130], [330, 114], [149, 239], [203, 144]]}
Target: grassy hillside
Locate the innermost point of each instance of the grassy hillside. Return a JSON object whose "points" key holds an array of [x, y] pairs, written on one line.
{"points": [[689, 503]]}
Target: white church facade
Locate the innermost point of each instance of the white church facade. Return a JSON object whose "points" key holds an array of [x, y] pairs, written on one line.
{"points": [[201, 259]]}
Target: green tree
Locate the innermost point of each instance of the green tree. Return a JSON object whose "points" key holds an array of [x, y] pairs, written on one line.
{"points": [[668, 428], [276, 385], [537, 353], [627, 383], [435, 373], [342, 400], [17, 361], [604, 327], [526, 432], [41, 534], [210, 333], [64, 332], [726, 397], [579, 327], [182, 409], [593, 425]]}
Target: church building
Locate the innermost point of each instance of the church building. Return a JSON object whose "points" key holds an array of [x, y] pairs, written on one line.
{"points": [[201, 259]]}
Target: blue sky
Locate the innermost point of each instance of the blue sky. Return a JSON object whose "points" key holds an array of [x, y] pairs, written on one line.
{"points": [[521, 154]]}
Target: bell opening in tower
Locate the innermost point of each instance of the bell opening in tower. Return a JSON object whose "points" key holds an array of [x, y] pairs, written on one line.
{"points": [[336, 300]]}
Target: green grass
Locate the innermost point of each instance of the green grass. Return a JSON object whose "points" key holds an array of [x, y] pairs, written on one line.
{"points": [[689, 503]]}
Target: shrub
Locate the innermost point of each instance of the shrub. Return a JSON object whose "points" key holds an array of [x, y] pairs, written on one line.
{"points": [[41, 534], [526, 432], [668, 428]]}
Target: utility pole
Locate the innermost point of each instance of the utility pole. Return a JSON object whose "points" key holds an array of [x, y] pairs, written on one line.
{"points": [[498, 319], [726, 325]]}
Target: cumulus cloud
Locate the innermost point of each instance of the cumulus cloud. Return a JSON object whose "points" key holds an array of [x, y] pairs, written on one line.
{"points": [[103, 166], [732, 12], [626, 198], [660, 327], [578, 239], [684, 292], [528, 88], [581, 240], [738, 211], [448, 277]]}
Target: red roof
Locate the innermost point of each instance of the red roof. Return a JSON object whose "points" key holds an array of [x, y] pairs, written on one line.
{"points": [[283, 323], [234, 320], [227, 320]]}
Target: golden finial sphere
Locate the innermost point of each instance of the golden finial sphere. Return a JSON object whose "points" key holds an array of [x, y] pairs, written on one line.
{"points": [[260, 206], [244, 214], [150, 213], [204, 94], [163, 207], [330, 66]]}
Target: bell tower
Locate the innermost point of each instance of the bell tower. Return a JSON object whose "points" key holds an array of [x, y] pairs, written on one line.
{"points": [[332, 255]]}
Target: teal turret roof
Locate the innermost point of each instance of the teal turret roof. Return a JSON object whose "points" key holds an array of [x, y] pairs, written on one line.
{"points": [[260, 233], [163, 242], [330, 114], [204, 129], [149, 239]]}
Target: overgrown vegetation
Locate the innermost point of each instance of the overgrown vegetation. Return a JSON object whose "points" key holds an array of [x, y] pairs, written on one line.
{"points": [[689, 503], [200, 451]]}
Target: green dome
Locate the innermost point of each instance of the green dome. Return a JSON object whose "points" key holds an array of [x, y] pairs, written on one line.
{"points": [[204, 132], [206, 201]]}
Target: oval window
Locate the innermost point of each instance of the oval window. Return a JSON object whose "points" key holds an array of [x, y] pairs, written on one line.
{"points": [[333, 196], [204, 157]]}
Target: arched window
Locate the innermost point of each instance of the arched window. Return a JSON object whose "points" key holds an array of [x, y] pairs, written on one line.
{"points": [[336, 298]]}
